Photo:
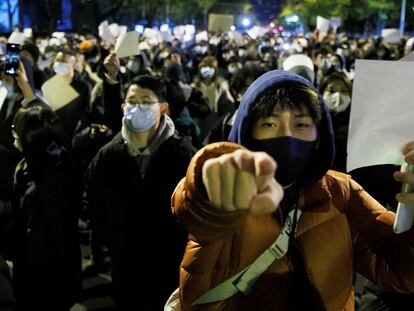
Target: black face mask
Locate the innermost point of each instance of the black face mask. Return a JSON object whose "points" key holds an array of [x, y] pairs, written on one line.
{"points": [[292, 156]]}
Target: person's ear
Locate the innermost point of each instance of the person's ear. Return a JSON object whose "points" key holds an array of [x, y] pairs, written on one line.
{"points": [[164, 108], [123, 107]]}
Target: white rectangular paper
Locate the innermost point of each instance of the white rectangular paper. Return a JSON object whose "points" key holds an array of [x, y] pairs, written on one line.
{"points": [[382, 113], [256, 31], [28, 32], [122, 29], [104, 31], [114, 29], [220, 22], [166, 36], [127, 44], [201, 36], [58, 92], [190, 29], [391, 35], [16, 37], [153, 35], [236, 36], [58, 34], [322, 24], [179, 31]]}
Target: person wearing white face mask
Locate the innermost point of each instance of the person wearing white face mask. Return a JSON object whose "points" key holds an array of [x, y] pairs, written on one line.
{"points": [[63, 65], [71, 113], [216, 89], [336, 89], [137, 65], [129, 186], [322, 60]]}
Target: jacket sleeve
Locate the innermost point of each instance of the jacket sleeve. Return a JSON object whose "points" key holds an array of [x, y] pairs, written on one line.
{"points": [[112, 100], [190, 204], [385, 258]]}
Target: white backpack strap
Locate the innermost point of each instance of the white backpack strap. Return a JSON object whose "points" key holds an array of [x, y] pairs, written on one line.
{"points": [[244, 280]]}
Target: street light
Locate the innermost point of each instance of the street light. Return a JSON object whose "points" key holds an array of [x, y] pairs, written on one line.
{"points": [[402, 17], [246, 22]]}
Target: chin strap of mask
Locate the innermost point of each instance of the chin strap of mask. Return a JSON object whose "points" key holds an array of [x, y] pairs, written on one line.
{"points": [[244, 280]]}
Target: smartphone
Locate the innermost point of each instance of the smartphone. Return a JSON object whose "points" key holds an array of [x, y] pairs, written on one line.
{"points": [[12, 58]]}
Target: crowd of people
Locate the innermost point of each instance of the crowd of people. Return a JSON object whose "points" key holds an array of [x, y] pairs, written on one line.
{"points": [[187, 161]]}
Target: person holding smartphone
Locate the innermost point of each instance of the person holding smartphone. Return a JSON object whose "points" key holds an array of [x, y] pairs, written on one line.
{"points": [[15, 92]]}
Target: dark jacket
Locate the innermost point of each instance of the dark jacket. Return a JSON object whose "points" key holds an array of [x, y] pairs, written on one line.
{"points": [[7, 300], [74, 111], [47, 259], [134, 214], [9, 155]]}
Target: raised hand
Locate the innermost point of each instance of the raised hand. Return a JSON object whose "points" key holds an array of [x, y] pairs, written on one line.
{"points": [[406, 177], [112, 64], [242, 180]]}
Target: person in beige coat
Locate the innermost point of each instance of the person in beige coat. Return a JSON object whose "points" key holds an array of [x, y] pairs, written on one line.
{"points": [[237, 196]]}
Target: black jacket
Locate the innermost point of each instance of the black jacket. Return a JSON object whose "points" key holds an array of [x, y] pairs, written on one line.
{"points": [[134, 215], [47, 259]]}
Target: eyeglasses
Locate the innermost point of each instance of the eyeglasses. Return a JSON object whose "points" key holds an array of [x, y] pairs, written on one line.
{"points": [[143, 103]]}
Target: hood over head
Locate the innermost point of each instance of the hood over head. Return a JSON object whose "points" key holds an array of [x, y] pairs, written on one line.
{"points": [[325, 151]]}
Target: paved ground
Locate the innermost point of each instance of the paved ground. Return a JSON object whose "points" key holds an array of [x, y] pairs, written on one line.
{"points": [[96, 286]]}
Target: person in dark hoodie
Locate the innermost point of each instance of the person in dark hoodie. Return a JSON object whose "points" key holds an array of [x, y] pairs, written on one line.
{"points": [[265, 212]]}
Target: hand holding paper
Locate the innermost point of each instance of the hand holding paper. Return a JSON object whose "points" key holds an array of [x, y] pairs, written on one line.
{"points": [[405, 211], [111, 64]]}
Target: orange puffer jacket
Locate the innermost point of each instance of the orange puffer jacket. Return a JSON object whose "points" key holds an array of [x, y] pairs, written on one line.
{"points": [[342, 230]]}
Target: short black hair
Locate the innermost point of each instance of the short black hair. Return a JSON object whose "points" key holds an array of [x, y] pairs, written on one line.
{"points": [[155, 84], [239, 81], [283, 96], [32, 49], [37, 127]]}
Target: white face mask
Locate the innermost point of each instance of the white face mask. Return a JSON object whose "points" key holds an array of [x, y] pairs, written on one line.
{"points": [[324, 64], [140, 118], [133, 66], [62, 69], [337, 102], [207, 72], [233, 69], [164, 54]]}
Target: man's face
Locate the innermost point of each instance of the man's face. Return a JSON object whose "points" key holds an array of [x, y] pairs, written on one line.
{"points": [[140, 95], [176, 58], [296, 123]]}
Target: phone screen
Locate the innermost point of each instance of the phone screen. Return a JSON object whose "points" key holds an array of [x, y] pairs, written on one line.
{"points": [[12, 58]]}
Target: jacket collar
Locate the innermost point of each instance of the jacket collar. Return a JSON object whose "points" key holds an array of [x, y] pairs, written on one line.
{"points": [[313, 203]]}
